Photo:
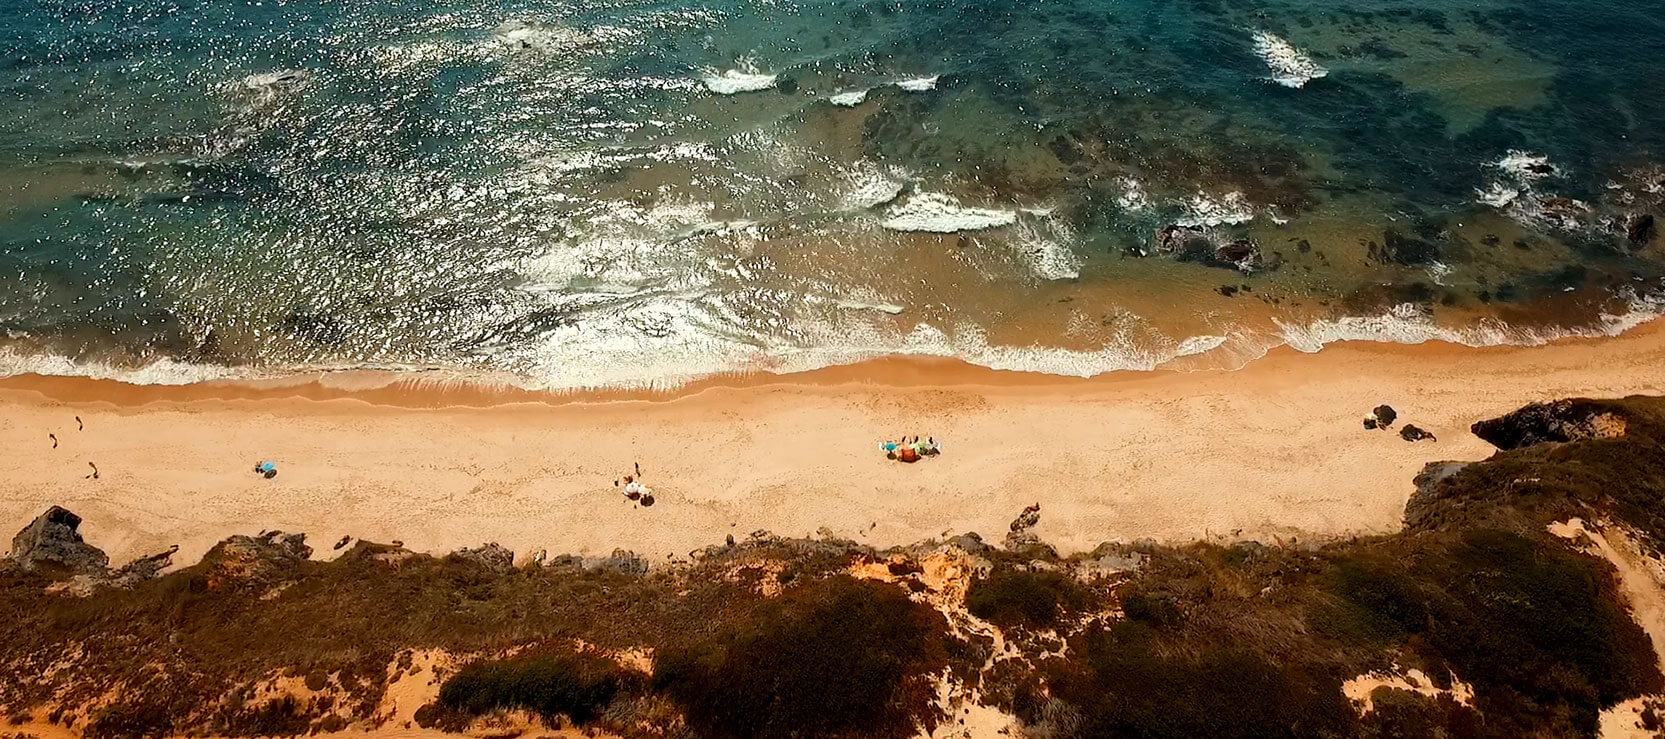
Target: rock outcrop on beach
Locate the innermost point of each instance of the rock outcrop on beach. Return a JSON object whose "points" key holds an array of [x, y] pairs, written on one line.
{"points": [[1560, 421], [491, 555], [1413, 432], [1509, 629], [52, 544], [268, 558]]}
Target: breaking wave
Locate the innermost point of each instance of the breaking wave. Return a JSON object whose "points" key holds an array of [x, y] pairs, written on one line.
{"points": [[744, 78], [937, 213], [919, 84], [848, 99], [1289, 66]]}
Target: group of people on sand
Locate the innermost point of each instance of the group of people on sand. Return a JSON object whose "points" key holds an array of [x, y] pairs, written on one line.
{"points": [[634, 489], [912, 449]]}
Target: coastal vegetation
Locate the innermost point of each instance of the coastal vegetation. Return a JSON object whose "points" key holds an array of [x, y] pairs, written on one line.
{"points": [[1475, 620]]}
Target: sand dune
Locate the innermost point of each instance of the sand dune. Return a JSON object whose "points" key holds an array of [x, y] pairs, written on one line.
{"points": [[1274, 450]]}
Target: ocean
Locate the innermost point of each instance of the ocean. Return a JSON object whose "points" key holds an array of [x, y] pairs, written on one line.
{"points": [[628, 192]]}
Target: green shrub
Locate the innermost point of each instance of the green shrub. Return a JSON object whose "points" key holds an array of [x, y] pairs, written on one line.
{"points": [[276, 717], [1540, 630], [1128, 685], [141, 719], [1034, 600], [837, 657], [1401, 713], [577, 686]]}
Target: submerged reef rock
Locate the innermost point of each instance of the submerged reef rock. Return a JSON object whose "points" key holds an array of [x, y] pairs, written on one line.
{"points": [[1639, 228], [1201, 245]]}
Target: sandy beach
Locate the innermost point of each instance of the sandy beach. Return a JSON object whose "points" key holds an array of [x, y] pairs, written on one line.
{"points": [[1275, 450]]}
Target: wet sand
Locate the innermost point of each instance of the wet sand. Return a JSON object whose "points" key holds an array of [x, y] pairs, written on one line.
{"points": [[1274, 450]]}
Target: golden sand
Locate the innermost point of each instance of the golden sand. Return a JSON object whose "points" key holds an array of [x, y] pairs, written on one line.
{"points": [[1275, 450]]}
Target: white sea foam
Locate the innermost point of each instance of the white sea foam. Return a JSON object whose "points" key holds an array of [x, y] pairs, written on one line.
{"points": [[1411, 324], [1526, 166], [1497, 195], [937, 213], [1132, 198], [1209, 210], [159, 372], [745, 77], [919, 84], [1045, 246], [1290, 67], [848, 99], [525, 36], [1515, 191], [857, 304], [663, 339], [269, 87], [871, 186]]}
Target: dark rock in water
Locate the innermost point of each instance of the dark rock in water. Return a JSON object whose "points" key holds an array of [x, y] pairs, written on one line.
{"points": [[1242, 254], [1639, 228], [1564, 213], [52, 544], [1193, 244], [1227, 290], [1561, 421], [492, 555], [1385, 415], [1176, 239], [786, 85], [1412, 432], [1397, 248]]}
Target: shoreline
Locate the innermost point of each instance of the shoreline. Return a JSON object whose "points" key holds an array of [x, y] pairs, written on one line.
{"points": [[431, 389], [1270, 451]]}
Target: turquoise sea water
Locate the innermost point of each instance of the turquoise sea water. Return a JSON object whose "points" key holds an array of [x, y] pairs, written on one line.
{"points": [[583, 193]]}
